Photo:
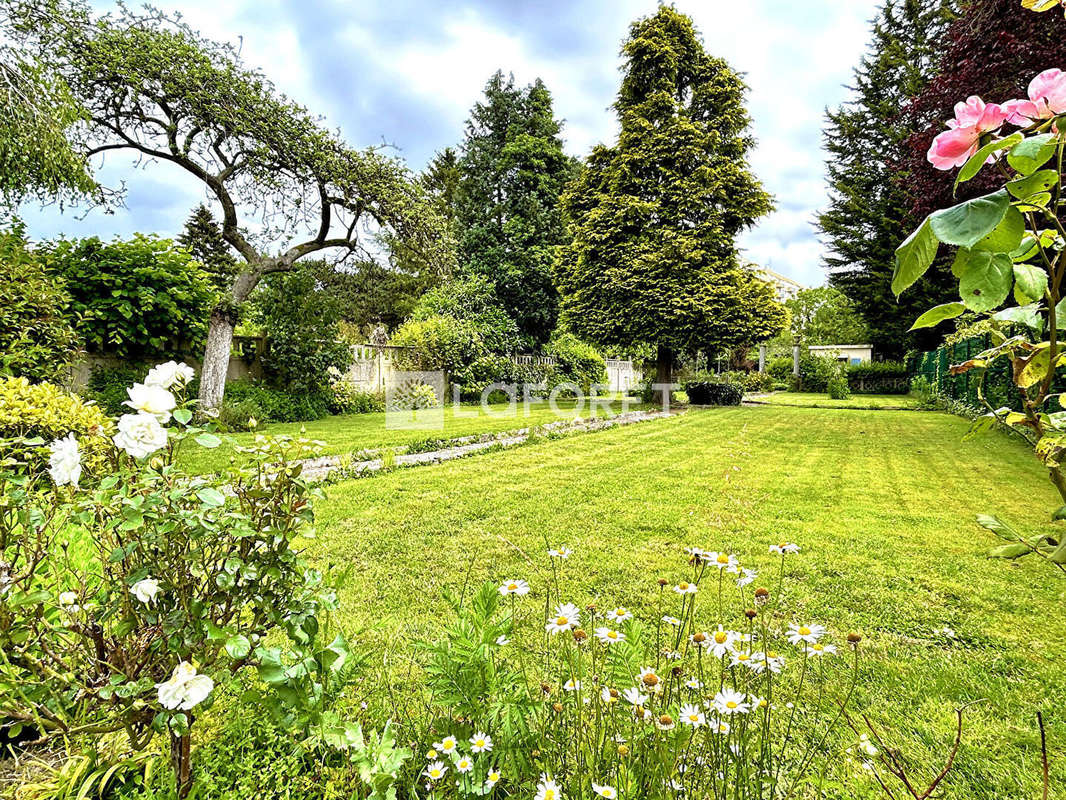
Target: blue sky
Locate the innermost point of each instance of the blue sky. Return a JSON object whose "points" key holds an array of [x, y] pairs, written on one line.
{"points": [[406, 72]]}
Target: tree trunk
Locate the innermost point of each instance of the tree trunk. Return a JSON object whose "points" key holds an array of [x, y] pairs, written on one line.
{"points": [[664, 365], [220, 340], [216, 360], [181, 761]]}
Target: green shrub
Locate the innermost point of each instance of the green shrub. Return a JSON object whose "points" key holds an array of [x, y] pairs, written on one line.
{"points": [[707, 390], [925, 393], [577, 361], [779, 387], [815, 372], [138, 298], [438, 343], [879, 377], [44, 410], [346, 398], [473, 300], [237, 415], [36, 338], [837, 386], [302, 323], [780, 369], [277, 405], [750, 381]]}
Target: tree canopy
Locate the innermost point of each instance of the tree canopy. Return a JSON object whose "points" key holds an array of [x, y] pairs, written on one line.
{"points": [[653, 219], [511, 173], [151, 86]]}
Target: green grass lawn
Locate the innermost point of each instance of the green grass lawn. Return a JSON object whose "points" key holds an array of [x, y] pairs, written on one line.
{"points": [[347, 434], [882, 504], [823, 400]]}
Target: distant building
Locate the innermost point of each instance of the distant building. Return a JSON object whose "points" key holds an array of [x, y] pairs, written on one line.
{"points": [[846, 353], [786, 287]]}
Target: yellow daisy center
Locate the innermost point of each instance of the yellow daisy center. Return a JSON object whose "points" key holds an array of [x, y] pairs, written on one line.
{"points": [[693, 717], [720, 637], [805, 631], [612, 635], [731, 704], [480, 742], [434, 773], [816, 647], [771, 654], [723, 558], [742, 656], [549, 794], [512, 586], [682, 585], [560, 620]]}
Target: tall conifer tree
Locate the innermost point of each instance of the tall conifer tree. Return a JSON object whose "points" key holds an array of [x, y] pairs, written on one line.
{"points": [[868, 215]]}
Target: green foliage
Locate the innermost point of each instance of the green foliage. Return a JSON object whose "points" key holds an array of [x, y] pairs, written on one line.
{"points": [[345, 398], [473, 300], [276, 405], [45, 412], [438, 343], [824, 316], [878, 377], [371, 294], [134, 299], [815, 372], [202, 236], [577, 361], [837, 387], [708, 390], [36, 337], [37, 111], [780, 368], [511, 173], [925, 392], [301, 320], [750, 381], [653, 219], [866, 138]]}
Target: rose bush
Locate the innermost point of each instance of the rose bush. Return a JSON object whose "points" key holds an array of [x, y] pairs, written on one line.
{"points": [[127, 596]]}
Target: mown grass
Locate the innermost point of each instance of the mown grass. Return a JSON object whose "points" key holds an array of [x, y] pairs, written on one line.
{"points": [[823, 400], [354, 432], [882, 503]]}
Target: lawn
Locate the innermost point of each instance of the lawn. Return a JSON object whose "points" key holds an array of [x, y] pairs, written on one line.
{"points": [[881, 503], [823, 400], [354, 432]]}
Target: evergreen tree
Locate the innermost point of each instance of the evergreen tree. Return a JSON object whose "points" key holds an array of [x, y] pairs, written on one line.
{"points": [[442, 178], [513, 170], [203, 238], [652, 258], [868, 214]]}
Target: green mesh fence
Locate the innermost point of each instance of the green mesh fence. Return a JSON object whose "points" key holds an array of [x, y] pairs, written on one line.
{"points": [[999, 390]]}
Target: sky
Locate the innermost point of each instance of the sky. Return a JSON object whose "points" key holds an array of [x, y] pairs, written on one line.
{"points": [[406, 72]]}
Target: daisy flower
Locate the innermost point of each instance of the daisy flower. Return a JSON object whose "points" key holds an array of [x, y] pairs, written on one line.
{"points": [[685, 588], [737, 658], [720, 642], [446, 745], [620, 614], [633, 696], [746, 576], [502, 640], [562, 552], [784, 547], [819, 649], [866, 745], [723, 561], [492, 778], [693, 684], [719, 726], [769, 660], [516, 586], [480, 743], [435, 771], [692, 716], [609, 696], [757, 702], [665, 722], [548, 789], [606, 792], [565, 618], [729, 701], [809, 633], [572, 686], [464, 764], [431, 754], [608, 636], [672, 621], [696, 552]]}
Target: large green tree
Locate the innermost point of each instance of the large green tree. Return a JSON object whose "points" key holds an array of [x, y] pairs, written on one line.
{"points": [[653, 220], [825, 315], [151, 86], [512, 171], [202, 236], [868, 210]]}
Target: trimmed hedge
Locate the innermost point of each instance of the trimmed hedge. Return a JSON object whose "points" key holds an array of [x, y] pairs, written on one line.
{"points": [[703, 392], [879, 377]]}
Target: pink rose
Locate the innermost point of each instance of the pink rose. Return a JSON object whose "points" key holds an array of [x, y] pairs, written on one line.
{"points": [[953, 147], [1047, 98]]}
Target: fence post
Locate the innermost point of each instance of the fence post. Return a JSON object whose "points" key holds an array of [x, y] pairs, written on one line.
{"points": [[796, 360], [762, 358]]}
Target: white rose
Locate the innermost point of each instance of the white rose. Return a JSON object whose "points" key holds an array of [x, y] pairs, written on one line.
{"points": [[169, 375], [140, 434], [145, 590], [64, 464], [154, 400], [185, 689], [68, 598]]}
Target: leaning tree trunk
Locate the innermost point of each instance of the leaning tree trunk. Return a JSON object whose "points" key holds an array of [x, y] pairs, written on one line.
{"points": [[220, 341], [181, 762], [664, 365]]}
